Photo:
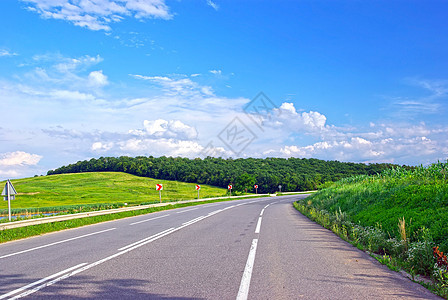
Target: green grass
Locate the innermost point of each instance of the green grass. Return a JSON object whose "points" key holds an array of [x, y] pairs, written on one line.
{"points": [[93, 189], [420, 196]]}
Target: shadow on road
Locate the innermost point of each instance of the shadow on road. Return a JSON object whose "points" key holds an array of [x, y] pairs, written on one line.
{"points": [[84, 287]]}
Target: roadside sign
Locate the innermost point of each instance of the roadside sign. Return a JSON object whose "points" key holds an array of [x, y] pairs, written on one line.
{"points": [[229, 187], [159, 187], [9, 189], [9, 192], [198, 187], [256, 188]]}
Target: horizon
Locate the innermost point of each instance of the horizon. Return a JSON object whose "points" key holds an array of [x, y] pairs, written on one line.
{"points": [[362, 82]]}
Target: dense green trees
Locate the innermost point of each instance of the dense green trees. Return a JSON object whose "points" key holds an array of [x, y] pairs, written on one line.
{"points": [[294, 174]]}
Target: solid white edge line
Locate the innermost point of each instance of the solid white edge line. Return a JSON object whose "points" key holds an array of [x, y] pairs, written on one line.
{"points": [[148, 220], [243, 292], [40, 281], [257, 229], [55, 243]]}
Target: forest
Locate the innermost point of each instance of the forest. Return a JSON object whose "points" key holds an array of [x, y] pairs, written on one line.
{"points": [[293, 174]]}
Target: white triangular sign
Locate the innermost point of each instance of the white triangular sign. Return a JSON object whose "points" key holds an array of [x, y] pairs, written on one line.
{"points": [[12, 190]]}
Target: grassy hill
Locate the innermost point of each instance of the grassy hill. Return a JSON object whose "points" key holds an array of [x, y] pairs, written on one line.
{"points": [[419, 196], [99, 188]]}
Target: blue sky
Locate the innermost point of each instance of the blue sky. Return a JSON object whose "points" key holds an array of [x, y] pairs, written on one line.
{"points": [[360, 81]]}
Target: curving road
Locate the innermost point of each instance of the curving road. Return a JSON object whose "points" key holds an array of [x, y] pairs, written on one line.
{"points": [[256, 248]]}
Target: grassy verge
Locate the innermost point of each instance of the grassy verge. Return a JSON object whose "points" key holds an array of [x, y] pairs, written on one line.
{"points": [[399, 216], [24, 232]]}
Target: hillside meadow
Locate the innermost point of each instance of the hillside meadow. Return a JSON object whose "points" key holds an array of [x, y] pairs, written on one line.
{"points": [[58, 192]]}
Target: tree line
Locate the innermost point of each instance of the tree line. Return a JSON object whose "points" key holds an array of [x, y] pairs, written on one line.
{"points": [[293, 174]]}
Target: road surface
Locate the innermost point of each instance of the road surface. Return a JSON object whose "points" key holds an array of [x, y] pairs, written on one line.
{"points": [[245, 249]]}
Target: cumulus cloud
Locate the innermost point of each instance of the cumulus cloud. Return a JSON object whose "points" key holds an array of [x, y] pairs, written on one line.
{"points": [[166, 129], [97, 78], [386, 143], [287, 117], [19, 158], [167, 147], [98, 14], [99, 146]]}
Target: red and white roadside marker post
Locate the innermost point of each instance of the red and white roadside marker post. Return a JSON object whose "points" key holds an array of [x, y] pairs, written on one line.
{"points": [[229, 187], [198, 188], [159, 187], [256, 188]]}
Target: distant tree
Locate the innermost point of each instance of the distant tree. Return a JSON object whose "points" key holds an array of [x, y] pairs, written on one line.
{"points": [[244, 183]]}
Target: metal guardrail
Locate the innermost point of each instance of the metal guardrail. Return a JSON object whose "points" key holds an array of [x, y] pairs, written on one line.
{"points": [[23, 223]]}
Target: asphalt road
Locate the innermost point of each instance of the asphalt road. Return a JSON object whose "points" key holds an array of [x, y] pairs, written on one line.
{"points": [[255, 248]]}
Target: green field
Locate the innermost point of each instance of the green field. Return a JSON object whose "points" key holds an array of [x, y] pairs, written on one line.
{"points": [[99, 188]]}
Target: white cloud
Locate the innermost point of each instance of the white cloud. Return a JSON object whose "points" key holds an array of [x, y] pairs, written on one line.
{"points": [[287, 117], [54, 77], [216, 72], [9, 173], [166, 129], [19, 158], [97, 78], [99, 146], [403, 143], [213, 5], [432, 103], [66, 65], [159, 147], [70, 95], [4, 52], [98, 14], [178, 86]]}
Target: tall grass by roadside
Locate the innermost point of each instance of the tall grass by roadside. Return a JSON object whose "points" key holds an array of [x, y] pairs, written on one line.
{"points": [[400, 214]]}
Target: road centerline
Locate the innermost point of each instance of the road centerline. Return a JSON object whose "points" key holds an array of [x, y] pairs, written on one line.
{"points": [[147, 220], [258, 228], [179, 212], [243, 291]]}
